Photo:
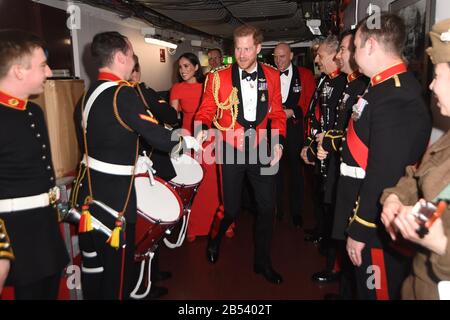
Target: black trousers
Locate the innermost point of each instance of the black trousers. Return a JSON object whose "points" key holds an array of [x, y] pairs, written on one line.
{"points": [[102, 276], [263, 187], [381, 273], [45, 289], [292, 162]]}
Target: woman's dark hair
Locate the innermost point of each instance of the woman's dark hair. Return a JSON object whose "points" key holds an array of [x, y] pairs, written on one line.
{"points": [[195, 62]]}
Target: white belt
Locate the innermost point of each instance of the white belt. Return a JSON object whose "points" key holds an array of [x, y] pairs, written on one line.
{"points": [[144, 165], [353, 172], [31, 202]]}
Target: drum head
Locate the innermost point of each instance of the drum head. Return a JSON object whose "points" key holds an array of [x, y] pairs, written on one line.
{"points": [[189, 171], [158, 202]]}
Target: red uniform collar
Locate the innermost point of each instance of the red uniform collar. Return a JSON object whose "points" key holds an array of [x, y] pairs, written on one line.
{"points": [[12, 102], [108, 76], [334, 74], [353, 76], [388, 73]]}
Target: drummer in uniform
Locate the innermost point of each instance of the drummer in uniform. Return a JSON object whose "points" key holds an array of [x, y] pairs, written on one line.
{"points": [[109, 121]]}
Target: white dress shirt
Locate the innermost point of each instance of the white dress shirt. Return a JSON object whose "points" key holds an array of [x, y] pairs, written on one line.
{"points": [[285, 84], [249, 92]]}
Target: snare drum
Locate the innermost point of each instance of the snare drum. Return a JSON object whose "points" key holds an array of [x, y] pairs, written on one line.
{"points": [[159, 208], [189, 175]]}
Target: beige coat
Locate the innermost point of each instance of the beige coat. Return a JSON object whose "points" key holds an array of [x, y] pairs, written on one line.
{"points": [[427, 181]]}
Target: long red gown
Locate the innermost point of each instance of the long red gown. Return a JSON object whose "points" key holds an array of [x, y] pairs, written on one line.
{"points": [[207, 200]]}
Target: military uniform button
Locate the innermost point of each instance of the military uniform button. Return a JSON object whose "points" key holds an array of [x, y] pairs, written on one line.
{"points": [[340, 148], [44, 157], [38, 135], [30, 113], [44, 146], [343, 139], [2, 236], [49, 167], [52, 178], [33, 125]]}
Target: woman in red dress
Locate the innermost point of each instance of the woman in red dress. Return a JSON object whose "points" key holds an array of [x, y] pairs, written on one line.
{"points": [[185, 97]]}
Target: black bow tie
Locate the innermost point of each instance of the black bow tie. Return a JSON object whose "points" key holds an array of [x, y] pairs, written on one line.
{"points": [[285, 72], [249, 76]]}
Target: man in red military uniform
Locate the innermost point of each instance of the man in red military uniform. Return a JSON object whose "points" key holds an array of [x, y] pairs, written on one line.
{"points": [[240, 100], [297, 87]]}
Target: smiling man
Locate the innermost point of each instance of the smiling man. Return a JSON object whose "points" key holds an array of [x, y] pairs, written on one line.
{"points": [[388, 130], [240, 100], [27, 180]]}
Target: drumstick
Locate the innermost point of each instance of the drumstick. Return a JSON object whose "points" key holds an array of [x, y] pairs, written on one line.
{"points": [[437, 214]]}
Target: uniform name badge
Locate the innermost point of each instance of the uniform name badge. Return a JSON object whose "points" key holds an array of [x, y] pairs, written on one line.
{"points": [[358, 108], [262, 84]]}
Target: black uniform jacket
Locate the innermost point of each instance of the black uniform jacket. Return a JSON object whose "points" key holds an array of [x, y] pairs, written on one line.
{"points": [[165, 114], [389, 130], [26, 169]]}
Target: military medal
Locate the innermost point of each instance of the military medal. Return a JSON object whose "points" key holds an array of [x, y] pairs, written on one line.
{"points": [[343, 101], [297, 88], [262, 84], [263, 97], [358, 108]]}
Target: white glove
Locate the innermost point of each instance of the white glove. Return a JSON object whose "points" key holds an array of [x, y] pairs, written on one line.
{"points": [[191, 143]]}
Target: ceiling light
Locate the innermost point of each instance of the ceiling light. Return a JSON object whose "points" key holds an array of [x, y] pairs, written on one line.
{"points": [[159, 42], [313, 25]]}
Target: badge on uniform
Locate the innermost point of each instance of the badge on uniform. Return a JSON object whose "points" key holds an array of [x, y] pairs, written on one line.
{"points": [[297, 87], [262, 84], [263, 97], [327, 90], [358, 108], [343, 101]]}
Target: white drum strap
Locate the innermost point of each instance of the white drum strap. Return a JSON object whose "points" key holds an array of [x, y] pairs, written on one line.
{"points": [[144, 164], [182, 234], [134, 293], [92, 97]]}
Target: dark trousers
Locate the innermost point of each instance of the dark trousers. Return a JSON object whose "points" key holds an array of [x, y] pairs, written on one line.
{"points": [[292, 162], [45, 289], [107, 272], [319, 207], [263, 188], [381, 273]]}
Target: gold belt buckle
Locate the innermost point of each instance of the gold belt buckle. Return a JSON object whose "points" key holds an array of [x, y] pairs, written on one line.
{"points": [[53, 195]]}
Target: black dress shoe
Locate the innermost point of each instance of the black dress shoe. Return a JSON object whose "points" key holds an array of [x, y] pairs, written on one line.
{"points": [[297, 221], [270, 274], [310, 231], [157, 292], [279, 215], [212, 251], [314, 238], [161, 276], [325, 276]]}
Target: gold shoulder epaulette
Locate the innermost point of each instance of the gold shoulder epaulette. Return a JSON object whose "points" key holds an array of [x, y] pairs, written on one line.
{"points": [[226, 66]]}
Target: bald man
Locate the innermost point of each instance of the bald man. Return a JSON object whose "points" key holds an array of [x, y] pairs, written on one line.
{"points": [[297, 87]]}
